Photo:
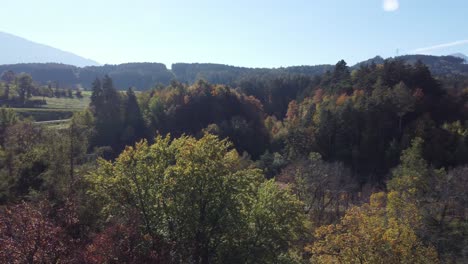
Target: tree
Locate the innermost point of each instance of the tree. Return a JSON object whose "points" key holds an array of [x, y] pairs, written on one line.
{"points": [[8, 117], [97, 98], [8, 77], [106, 106], [120, 243], [404, 102], [440, 198], [196, 196], [27, 235], [78, 94], [133, 119], [24, 84], [411, 176], [372, 233], [69, 93], [325, 188], [6, 92]]}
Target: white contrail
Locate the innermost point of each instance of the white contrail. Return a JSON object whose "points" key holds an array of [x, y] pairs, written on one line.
{"points": [[441, 46]]}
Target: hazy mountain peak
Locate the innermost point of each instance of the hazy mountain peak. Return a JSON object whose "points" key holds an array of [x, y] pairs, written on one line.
{"points": [[19, 50], [460, 55]]}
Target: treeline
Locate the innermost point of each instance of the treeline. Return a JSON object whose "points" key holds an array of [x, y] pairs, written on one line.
{"points": [[144, 76], [140, 75], [365, 165], [18, 90]]}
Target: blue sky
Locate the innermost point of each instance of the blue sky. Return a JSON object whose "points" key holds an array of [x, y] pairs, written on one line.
{"points": [[254, 33]]}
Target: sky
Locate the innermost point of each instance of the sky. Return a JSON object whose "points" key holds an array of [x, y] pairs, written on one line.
{"points": [[251, 33]]}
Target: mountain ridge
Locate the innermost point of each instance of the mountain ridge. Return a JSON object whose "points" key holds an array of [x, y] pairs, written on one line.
{"points": [[17, 49]]}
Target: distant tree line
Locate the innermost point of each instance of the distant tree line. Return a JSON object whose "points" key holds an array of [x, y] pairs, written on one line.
{"points": [[145, 76]]}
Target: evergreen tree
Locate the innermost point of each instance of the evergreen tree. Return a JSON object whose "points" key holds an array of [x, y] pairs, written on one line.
{"points": [[133, 119], [97, 98], [106, 106]]}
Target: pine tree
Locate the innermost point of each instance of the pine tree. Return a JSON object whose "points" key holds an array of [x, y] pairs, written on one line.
{"points": [[133, 119], [106, 106]]}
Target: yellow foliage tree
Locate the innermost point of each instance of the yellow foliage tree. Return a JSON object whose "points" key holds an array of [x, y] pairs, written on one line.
{"points": [[379, 232]]}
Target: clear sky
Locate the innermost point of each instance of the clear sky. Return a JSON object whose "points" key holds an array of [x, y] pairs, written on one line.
{"points": [[254, 33]]}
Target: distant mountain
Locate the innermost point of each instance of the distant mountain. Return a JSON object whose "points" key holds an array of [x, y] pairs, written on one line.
{"points": [[461, 56], [19, 50], [438, 65]]}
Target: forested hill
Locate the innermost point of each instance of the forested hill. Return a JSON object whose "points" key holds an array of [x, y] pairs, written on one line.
{"points": [[439, 65], [231, 75], [144, 76], [139, 75]]}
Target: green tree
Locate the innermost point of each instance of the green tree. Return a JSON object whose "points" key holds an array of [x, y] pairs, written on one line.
{"points": [[97, 98], [439, 197], [8, 117], [133, 119], [8, 77], [197, 197], [404, 102], [25, 86], [106, 106]]}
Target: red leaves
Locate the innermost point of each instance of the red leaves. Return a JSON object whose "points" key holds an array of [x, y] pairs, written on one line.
{"points": [[124, 244], [28, 236]]}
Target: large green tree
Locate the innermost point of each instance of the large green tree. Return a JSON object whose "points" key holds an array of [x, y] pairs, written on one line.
{"points": [[198, 198]]}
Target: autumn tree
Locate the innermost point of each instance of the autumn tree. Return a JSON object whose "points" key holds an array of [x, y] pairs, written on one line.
{"points": [[28, 235], [325, 188], [373, 233], [196, 196], [438, 195]]}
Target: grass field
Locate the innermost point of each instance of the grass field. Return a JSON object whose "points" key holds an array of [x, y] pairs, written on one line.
{"points": [[56, 108], [44, 114], [66, 103]]}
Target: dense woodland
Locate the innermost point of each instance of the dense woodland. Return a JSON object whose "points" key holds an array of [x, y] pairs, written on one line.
{"points": [[367, 164], [145, 76]]}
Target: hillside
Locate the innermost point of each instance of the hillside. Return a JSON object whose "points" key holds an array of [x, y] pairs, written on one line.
{"points": [[144, 76], [139, 75], [19, 50]]}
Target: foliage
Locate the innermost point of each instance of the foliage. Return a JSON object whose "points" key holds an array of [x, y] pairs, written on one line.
{"points": [[194, 195], [27, 235], [325, 188], [179, 109], [373, 233], [439, 198]]}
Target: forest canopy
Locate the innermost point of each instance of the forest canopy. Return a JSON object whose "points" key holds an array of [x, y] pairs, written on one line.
{"points": [[333, 164]]}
